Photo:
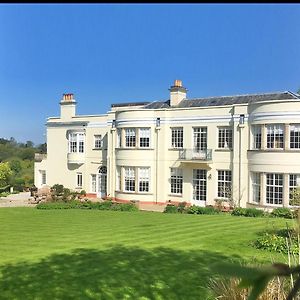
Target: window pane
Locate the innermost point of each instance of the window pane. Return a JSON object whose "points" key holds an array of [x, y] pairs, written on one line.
{"points": [[129, 179], [98, 141], [177, 137], [130, 137], [256, 133], [224, 183], [199, 185], [200, 138], [144, 179], [144, 136], [256, 187], [275, 138], [295, 136], [79, 179], [225, 138], [274, 188], [176, 181]]}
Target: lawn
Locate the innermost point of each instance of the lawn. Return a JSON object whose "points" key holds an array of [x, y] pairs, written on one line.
{"points": [[89, 254]]}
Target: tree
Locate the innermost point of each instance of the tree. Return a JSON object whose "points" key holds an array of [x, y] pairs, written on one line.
{"points": [[29, 144], [15, 165], [42, 148], [5, 174]]}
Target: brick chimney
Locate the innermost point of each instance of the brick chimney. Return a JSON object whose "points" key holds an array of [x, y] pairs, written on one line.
{"points": [[177, 93], [67, 106]]}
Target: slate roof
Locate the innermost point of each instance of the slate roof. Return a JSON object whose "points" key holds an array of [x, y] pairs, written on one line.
{"points": [[216, 101], [239, 99]]}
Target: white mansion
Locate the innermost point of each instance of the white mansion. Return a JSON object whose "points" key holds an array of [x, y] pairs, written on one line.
{"points": [[246, 147]]}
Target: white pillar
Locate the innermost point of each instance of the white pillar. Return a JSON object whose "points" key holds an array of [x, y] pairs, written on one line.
{"points": [[263, 182], [286, 196]]}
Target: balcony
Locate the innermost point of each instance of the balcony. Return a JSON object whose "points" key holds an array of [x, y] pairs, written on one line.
{"points": [[38, 157], [195, 155], [75, 158]]}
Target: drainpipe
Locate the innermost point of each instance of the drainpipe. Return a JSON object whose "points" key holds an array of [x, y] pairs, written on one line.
{"points": [[157, 128], [241, 126]]}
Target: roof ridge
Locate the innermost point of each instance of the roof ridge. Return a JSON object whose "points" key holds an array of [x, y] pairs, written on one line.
{"points": [[294, 94], [260, 94]]}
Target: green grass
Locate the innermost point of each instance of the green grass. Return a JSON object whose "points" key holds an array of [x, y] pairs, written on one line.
{"points": [[88, 254]]}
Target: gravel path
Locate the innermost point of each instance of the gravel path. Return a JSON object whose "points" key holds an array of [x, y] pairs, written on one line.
{"points": [[15, 200]]}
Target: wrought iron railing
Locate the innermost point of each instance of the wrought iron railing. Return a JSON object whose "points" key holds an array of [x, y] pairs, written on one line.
{"points": [[195, 154]]}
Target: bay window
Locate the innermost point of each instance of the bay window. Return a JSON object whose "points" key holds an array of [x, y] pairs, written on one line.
{"points": [[76, 142]]}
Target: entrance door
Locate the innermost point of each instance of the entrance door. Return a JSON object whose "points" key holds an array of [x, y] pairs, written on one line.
{"points": [[101, 182], [199, 187]]}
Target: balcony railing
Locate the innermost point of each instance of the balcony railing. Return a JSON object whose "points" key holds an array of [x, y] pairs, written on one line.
{"points": [[38, 157], [195, 154]]}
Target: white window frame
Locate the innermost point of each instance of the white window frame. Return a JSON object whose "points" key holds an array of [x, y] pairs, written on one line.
{"points": [[256, 136], [129, 179], [79, 180], [76, 142], [177, 137], [119, 137], [274, 189], [294, 182], [144, 180], [200, 184], [98, 142], [176, 181], [43, 177], [224, 184], [225, 137], [294, 136], [94, 183], [274, 134], [144, 137], [118, 178], [130, 137], [256, 186], [199, 138]]}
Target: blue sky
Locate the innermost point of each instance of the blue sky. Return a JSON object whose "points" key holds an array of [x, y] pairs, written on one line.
{"points": [[108, 53]]}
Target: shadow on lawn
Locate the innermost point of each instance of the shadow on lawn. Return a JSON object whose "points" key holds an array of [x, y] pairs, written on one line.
{"points": [[114, 273]]}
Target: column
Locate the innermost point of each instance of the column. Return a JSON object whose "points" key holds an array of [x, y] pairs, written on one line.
{"points": [[263, 137], [286, 136], [286, 196], [263, 189]]}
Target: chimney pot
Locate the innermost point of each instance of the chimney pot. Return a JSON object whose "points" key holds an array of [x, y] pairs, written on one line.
{"points": [[178, 83]]}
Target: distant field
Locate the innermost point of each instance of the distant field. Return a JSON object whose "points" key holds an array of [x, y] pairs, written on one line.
{"points": [[89, 254]]}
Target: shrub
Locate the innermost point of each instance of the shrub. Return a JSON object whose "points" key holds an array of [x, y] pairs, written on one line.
{"points": [[4, 194], [271, 242], [276, 240], [75, 204], [247, 212], [238, 211], [283, 212], [181, 207], [128, 207], [253, 212], [208, 210], [58, 189], [171, 208], [193, 210]]}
